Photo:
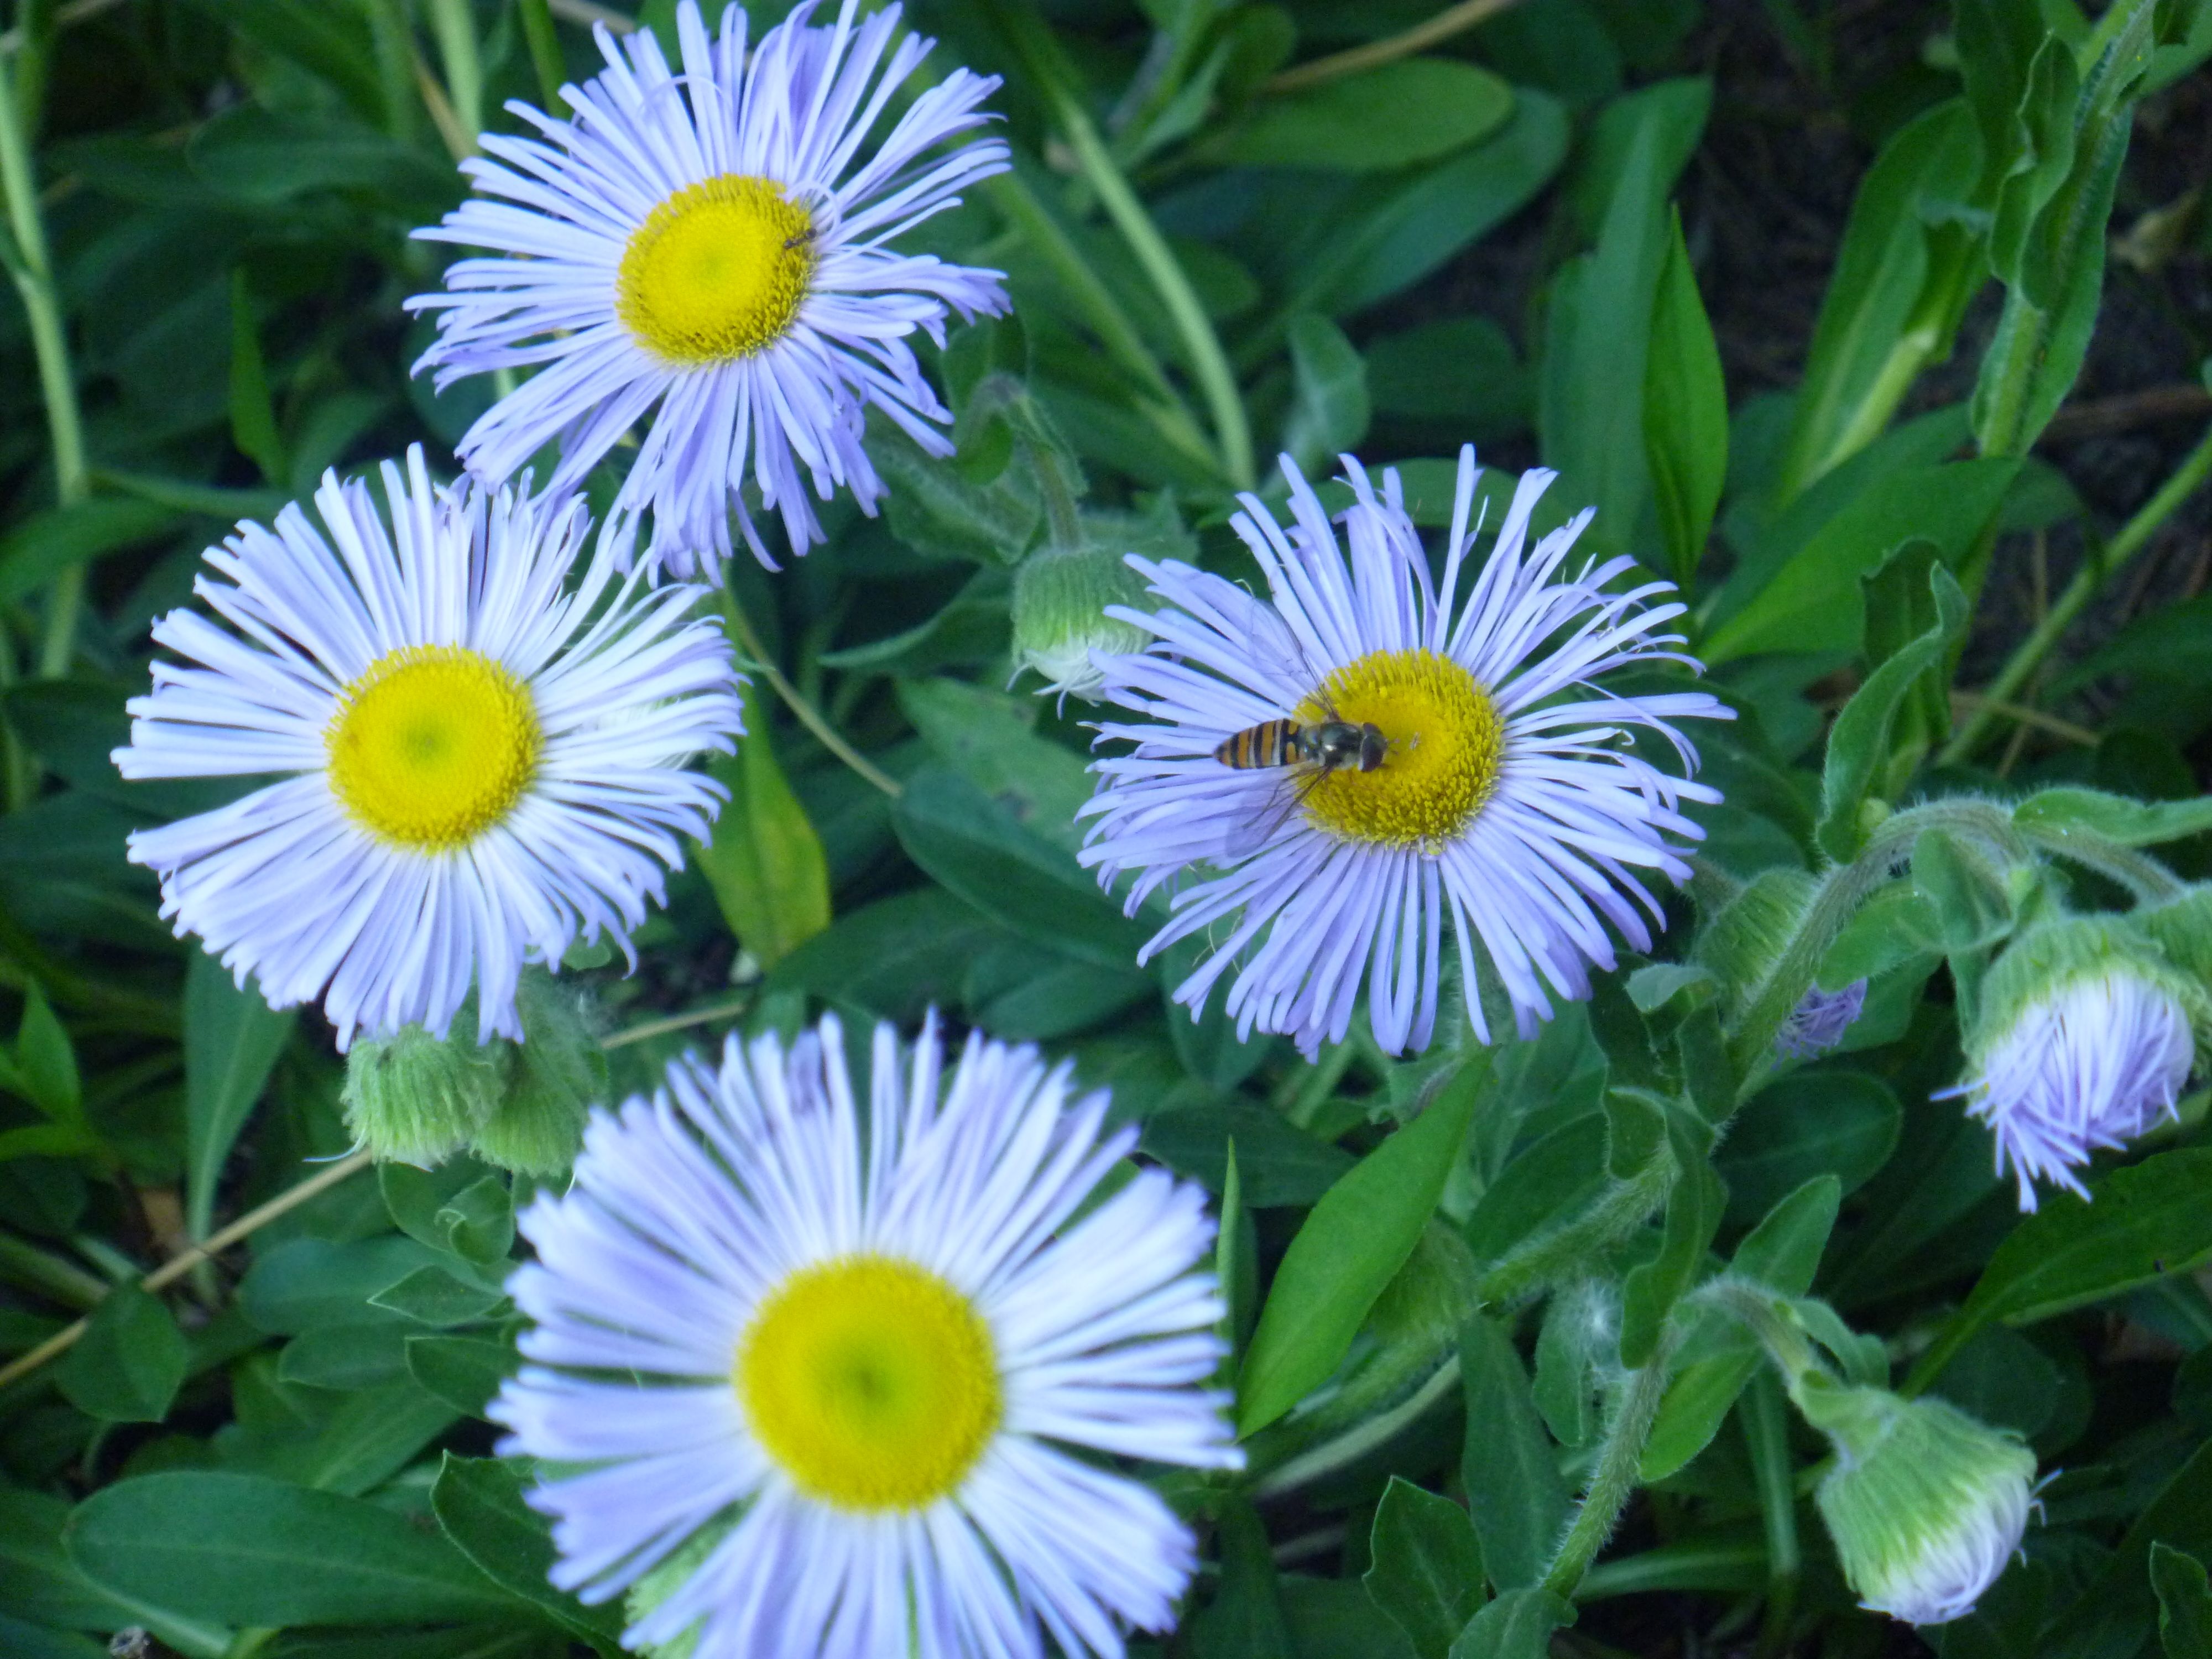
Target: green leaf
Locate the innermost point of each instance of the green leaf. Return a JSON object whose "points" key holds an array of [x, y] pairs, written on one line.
{"points": [[306, 1284], [25, 1641], [975, 847], [1277, 1161], [253, 416], [1845, 1123], [46, 1062], [1590, 412], [1458, 371], [1686, 415], [232, 1039], [765, 863], [2148, 1221], [894, 958], [1518, 1625], [2121, 1599], [1330, 406], [1351, 1245], [246, 1550], [1902, 278], [345, 1356], [1388, 117], [1427, 1571], [1783, 1252], [129, 1363], [1244, 1620], [1859, 742], [1651, 1290], [432, 1296], [2184, 1603], [463, 1371], [2055, 814], [936, 511], [1551, 1180], [261, 158], [1515, 1495], [1965, 895], [1814, 602], [990, 739], [61, 538], [1390, 234], [479, 1504]]}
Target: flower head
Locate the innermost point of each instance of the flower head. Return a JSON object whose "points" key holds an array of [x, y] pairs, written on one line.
{"points": [[709, 240], [2085, 1042], [483, 760], [1061, 597], [852, 1341], [1479, 774], [1820, 1021], [1925, 1503]]}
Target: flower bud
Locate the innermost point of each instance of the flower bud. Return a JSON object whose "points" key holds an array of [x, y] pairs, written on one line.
{"points": [[1060, 596], [1820, 1021], [2084, 1040], [414, 1098], [1925, 1505]]}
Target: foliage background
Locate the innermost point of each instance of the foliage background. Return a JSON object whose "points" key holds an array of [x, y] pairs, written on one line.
{"points": [[279, 1451]]}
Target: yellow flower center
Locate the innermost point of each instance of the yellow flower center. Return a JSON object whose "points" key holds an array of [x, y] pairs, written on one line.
{"points": [[432, 745], [1447, 743], [717, 271], [870, 1382]]}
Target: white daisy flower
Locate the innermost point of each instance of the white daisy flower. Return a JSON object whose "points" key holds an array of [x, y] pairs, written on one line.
{"points": [[1482, 776], [483, 762], [711, 242], [2088, 1062], [868, 1360]]}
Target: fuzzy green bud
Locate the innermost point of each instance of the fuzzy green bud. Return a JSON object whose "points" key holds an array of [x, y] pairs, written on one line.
{"points": [[414, 1098], [1925, 1505], [1061, 596]]}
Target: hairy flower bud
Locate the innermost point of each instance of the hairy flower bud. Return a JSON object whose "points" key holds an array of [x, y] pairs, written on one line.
{"points": [[414, 1098], [1820, 1021], [1925, 1505], [2084, 1040], [1060, 596]]}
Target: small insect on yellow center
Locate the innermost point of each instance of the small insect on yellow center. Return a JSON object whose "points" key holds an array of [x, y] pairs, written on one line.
{"points": [[717, 271], [1447, 743], [432, 745], [872, 1383]]}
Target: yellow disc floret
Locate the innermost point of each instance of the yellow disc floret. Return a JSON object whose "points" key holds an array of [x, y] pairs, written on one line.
{"points": [[717, 271], [870, 1382], [1447, 743], [432, 745]]}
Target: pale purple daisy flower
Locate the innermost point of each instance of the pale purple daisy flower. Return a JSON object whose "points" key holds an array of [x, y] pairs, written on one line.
{"points": [[486, 731], [1504, 796], [2092, 1062], [1820, 1021], [712, 242], [831, 1378]]}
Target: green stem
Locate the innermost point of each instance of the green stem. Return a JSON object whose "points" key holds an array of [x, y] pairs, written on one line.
{"points": [[454, 24], [1635, 1407], [2028, 655], [809, 715], [544, 52], [34, 274], [1232, 431], [2144, 876], [34, 1269], [1618, 1212], [1842, 890], [1042, 233], [1766, 1430], [1357, 1443]]}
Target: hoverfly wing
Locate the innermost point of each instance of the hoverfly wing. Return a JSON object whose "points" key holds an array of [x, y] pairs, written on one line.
{"points": [[1284, 672], [1249, 833]]}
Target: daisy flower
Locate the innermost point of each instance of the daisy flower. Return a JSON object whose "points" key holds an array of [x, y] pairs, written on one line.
{"points": [[482, 762], [2079, 1049], [1482, 777], [816, 1365], [709, 240]]}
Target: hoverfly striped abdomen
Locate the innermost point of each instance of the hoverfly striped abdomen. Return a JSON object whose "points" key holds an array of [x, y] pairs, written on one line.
{"points": [[1271, 743]]}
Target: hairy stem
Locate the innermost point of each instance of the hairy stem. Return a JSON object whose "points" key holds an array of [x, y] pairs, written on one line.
{"points": [[1635, 1406]]}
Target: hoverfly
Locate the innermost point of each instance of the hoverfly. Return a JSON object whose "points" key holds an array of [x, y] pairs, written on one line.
{"points": [[1326, 745]]}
